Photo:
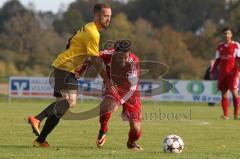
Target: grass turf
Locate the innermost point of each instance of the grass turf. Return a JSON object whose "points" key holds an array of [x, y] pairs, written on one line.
{"points": [[205, 134]]}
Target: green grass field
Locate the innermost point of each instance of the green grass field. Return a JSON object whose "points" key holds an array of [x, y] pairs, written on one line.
{"points": [[205, 134]]}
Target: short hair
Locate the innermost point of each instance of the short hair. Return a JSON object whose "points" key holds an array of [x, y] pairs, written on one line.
{"points": [[99, 6], [123, 45], [226, 29]]}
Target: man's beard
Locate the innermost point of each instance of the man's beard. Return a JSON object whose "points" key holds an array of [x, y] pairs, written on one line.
{"points": [[105, 25]]}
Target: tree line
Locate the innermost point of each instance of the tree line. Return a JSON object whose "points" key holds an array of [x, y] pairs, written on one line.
{"points": [[181, 34]]}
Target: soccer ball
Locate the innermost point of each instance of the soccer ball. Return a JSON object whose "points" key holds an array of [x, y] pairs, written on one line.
{"points": [[173, 144]]}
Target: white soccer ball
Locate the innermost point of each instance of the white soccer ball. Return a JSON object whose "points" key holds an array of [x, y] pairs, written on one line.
{"points": [[173, 144]]}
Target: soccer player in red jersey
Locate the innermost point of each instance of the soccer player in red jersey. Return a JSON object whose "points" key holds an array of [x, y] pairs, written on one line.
{"points": [[123, 69], [227, 60]]}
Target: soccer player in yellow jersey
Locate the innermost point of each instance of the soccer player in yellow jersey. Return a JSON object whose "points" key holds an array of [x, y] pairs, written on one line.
{"points": [[82, 46]]}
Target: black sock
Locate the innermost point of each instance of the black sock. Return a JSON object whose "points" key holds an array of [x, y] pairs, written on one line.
{"points": [[50, 124], [46, 112], [60, 108]]}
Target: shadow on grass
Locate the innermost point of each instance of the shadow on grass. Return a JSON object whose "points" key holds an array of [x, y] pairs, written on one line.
{"points": [[56, 147], [15, 146]]}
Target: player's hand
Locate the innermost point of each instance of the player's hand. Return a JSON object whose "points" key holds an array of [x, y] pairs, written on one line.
{"points": [[81, 69], [77, 75], [110, 86]]}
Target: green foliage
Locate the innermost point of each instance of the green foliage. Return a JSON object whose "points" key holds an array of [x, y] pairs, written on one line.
{"points": [[10, 9], [71, 22], [26, 45], [177, 56], [7, 68], [121, 28], [182, 15], [233, 19], [21, 33], [203, 46]]}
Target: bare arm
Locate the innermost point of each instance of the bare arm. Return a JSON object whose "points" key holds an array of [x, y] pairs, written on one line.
{"points": [[98, 64], [82, 68], [238, 56]]}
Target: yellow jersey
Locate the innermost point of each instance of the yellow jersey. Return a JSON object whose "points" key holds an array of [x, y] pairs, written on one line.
{"points": [[83, 44]]}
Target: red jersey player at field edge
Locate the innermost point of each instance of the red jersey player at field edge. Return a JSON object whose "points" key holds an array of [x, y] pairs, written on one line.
{"points": [[123, 69], [227, 61]]}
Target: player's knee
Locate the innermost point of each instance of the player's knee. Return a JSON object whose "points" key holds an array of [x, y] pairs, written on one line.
{"points": [[235, 94], [135, 126], [108, 105], [72, 103], [71, 100], [114, 109], [61, 108], [224, 94]]}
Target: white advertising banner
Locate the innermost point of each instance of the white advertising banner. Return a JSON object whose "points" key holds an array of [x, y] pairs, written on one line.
{"points": [[182, 90], [191, 91], [39, 87]]}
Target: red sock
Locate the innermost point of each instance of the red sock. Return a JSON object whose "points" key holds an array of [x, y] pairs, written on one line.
{"points": [[133, 136], [103, 119], [225, 106], [236, 106]]}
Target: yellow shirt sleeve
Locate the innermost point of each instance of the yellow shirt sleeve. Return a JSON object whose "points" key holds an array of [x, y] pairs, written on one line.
{"points": [[92, 45]]}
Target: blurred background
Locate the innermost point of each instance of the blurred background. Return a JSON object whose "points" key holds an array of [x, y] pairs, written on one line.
{"points": [[183, 34]]}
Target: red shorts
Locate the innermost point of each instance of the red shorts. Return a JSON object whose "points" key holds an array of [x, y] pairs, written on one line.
{"points": [[131, 108], [228, 83], [132, 111]]}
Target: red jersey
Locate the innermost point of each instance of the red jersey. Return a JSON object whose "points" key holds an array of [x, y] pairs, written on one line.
{"points": [[226, 56], [124, 78]]}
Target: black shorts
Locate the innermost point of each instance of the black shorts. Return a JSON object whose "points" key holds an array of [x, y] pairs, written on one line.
{"points": [[63, 80]]}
